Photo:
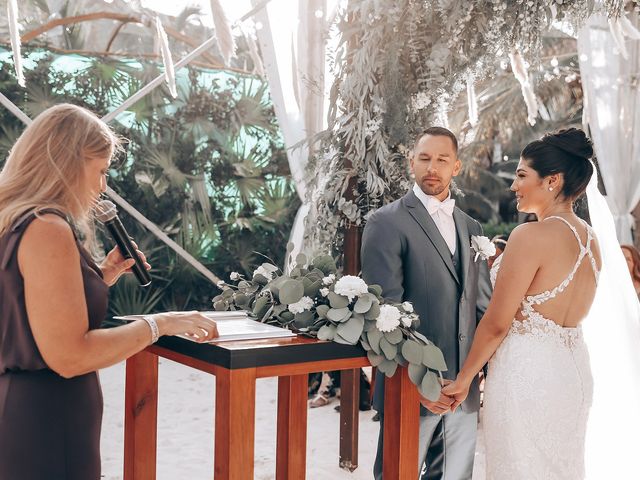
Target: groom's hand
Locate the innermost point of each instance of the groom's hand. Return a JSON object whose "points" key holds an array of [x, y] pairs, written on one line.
{"points": [[442, 405]]}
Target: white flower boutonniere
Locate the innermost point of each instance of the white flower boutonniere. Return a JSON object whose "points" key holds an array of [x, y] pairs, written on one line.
{"points": [[483, 247]]}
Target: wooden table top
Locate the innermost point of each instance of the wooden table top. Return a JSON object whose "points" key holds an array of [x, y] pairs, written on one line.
{"points": [[262, 352]]}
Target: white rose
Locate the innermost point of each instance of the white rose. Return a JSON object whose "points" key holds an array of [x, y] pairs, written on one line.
{"points": [[266, 273], [324, 292], [305, 303], [406, 321], [351, 286], [329, 279], [220, 284], [408, 307], [389, 318], [235, 276], [483, 247]]}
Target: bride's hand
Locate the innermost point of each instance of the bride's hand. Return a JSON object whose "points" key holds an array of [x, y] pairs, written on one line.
{"points": [[458, 391]]}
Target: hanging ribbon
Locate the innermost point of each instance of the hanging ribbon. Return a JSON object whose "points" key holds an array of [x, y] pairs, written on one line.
{"points": [[12, 15], [169, 72], [472, 102], [520, 72], [621, 27]]}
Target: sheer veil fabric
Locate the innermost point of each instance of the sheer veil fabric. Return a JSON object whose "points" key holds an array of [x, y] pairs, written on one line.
{"points": [[612, 334]]}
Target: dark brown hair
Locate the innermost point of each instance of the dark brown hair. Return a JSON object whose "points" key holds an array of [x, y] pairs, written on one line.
{"points": [[438, 132], [567, 152]]}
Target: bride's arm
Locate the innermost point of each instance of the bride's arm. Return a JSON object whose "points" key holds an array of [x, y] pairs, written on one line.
{"points": [[520, 262]]}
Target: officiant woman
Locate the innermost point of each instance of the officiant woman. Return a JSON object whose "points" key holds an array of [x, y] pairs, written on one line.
{"points": [[53, 298]]}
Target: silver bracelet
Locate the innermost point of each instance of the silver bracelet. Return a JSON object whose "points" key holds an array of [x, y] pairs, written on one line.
{"points": [[155, 331]]}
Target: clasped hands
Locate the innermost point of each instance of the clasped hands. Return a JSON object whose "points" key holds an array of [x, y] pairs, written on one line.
{"points": [[453, 393]]}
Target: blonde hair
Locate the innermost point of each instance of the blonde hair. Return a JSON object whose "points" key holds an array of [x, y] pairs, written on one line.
{"points": [[45, 168]]}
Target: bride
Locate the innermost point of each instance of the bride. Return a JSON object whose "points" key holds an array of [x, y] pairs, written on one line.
{"points": [[539, 387]]}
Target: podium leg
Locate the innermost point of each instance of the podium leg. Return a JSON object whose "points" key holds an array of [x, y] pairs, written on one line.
{"points": [[349, 418], [235, 424], [291, 450], [141, 417], [401, 427]]}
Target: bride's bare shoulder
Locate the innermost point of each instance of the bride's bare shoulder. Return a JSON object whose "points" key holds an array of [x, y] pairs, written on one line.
{"points": [[530, 237]]}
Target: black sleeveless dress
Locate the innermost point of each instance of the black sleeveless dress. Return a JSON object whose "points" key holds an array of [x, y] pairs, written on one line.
{"points": [[49, 425]]}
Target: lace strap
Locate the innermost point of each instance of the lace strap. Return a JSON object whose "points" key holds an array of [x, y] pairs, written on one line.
{"points": [[590, 237], [549, 294]]}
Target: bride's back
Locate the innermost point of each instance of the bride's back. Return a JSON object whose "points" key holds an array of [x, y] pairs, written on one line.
{"points": [[557, 247]]}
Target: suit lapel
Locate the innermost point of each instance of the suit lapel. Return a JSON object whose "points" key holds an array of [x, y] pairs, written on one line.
{"points": [[422, 217], [465, 247]]}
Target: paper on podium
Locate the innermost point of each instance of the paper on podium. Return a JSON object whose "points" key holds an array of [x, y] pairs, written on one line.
{"points": [[233, 326]]}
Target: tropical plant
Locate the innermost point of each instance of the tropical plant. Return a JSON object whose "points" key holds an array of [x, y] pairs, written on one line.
{"points": [[209, 167]]}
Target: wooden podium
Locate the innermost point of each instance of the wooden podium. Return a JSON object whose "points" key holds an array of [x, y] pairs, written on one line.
{"points": [[236, 366]]}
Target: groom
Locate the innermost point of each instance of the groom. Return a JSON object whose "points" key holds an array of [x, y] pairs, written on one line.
{"points": [[418, 250]]}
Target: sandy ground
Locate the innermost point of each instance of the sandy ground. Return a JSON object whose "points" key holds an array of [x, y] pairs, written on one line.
{"points": [[185, 429]]}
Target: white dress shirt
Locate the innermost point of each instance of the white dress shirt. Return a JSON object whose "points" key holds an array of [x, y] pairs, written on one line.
{"points": [[442, 215]]}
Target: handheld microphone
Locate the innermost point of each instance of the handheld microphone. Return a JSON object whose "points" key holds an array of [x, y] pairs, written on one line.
{"points": [[106, 213]]}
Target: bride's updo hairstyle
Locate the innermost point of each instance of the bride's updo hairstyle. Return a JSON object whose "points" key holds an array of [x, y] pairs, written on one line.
{"points": [[567, 152]]}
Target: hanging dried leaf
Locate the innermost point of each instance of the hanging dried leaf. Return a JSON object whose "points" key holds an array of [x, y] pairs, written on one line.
{"points": [[169, 71], [223, 31], [12, 14]]}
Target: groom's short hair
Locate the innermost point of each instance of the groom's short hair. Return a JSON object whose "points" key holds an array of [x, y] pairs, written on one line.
{"points": [[438, 132]]}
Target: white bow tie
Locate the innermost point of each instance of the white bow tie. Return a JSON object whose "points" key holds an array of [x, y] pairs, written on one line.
{"points": [[446, 207]]}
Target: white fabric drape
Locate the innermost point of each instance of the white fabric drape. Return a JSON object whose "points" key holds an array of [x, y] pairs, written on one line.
{"points": [[612, 110], [293, 39]]}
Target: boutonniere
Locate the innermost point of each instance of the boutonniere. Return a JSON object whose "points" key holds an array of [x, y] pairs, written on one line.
{"points": [[483, 247]]}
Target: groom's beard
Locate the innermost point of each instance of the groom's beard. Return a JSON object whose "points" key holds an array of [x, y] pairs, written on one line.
{"points": [[432, 185]]}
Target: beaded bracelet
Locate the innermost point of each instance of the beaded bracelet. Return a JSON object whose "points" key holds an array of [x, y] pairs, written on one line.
{"points": [[155, 332]]}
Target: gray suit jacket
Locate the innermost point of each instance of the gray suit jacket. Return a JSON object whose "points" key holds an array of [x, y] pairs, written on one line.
{"points": [[404, 253]]}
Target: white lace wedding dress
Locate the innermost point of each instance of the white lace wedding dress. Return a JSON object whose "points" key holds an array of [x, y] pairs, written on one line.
{"points": [[538, 393]]}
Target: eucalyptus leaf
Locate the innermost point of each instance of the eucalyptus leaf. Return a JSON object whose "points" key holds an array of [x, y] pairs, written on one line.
{"points": [[260, 307], [220, 305], [311, 287], [304, 319], [388, 349], [326, 263], [388, 367], [394, 336], [374, 358], [322, 310], [412, 351], [287, 316], [416, 373], [326, 332], [291, 292], [373, 312], [364, 343], [363, 304], [241, 300], [338, 339], [432, 357], [369, 325], [374, 336], [338, 314], [430, 387], [420, 336], [376, 290], [301, 259], [337, 301], [351, 330]]}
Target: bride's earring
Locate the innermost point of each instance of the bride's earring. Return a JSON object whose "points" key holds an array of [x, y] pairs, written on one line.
{"points": [[551, 189]]}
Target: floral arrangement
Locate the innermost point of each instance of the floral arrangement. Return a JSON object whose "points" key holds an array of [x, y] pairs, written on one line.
{"points": [[314, 299], [432, 51]]}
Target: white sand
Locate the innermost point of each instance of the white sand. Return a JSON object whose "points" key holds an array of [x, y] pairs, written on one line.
{"points": [[186, 423]]}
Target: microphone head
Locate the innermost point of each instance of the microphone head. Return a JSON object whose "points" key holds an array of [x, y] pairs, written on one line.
{"points": [[105, 211]]}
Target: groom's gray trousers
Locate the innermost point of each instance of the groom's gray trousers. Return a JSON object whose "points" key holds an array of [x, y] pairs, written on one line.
{"points": [[459, 446]]}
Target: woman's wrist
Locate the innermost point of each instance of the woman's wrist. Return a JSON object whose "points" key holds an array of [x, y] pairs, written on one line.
{"points": [[153, 326], [465, 377]]}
